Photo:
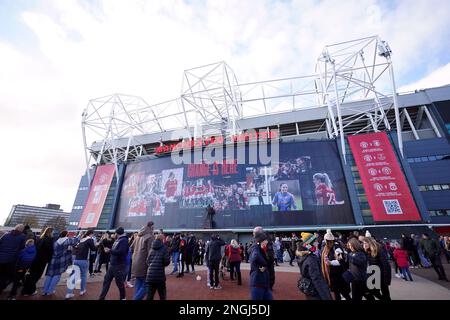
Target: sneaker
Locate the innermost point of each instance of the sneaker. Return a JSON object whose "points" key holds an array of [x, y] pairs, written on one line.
{"points": [[129, 284], [69, 295], [210, 287], [82, 292], [218, 287], [398, 275], [124, 299], [34, 293], [11, 298]]}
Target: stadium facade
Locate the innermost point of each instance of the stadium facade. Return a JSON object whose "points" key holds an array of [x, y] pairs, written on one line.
{"points": [[338, 149]]}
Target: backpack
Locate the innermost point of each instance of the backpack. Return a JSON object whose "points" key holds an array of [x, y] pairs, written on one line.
{"points": [[305, 284]]}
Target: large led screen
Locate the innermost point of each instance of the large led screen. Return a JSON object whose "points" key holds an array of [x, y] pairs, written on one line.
{"points": [[304, 186]]}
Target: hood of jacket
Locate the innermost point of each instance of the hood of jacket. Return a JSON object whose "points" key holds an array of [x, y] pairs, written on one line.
{"points": [[85, 239], [157, 244], [144, 231], [60, 241]]}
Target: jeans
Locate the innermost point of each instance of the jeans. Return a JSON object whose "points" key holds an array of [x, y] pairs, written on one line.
{"points": [[140, 288], [175, 256], [406, 274], [161, 287], [118, 273], [261, 293], [83, 265], [214, 273], [50, 283]]}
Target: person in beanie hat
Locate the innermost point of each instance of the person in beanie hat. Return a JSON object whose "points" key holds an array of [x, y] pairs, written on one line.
{"points": [[118, 264], [259, 274], [333, 266], [312, 283]]}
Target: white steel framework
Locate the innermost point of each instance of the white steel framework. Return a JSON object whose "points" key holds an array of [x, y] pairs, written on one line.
{"points": [[212, 101]]}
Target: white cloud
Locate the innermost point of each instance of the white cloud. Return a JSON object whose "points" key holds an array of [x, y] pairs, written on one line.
{"points": [[437, 78], [91, 49]]}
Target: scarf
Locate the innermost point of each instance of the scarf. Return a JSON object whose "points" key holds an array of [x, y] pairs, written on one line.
{"points": [[325, 267]]}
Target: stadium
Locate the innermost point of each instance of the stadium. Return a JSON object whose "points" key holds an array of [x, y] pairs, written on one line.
{"points": [[339, 148]]}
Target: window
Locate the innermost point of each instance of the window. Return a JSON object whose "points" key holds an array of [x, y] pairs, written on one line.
{"points": [[445, 186], [422, 188], [437, 187]]}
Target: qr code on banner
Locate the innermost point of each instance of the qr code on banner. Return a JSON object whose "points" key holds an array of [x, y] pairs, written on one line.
{"points": [[392, 206]]}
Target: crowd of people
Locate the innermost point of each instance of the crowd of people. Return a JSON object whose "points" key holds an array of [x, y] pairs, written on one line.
{"points": [[331, 266]]}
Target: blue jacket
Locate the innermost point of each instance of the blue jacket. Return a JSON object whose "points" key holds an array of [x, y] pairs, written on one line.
{"points": [[258, 278], [119, 251], [10, 245], [26, 257]]}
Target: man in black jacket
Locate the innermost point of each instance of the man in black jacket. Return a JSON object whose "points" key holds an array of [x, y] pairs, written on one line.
{"points": [[158, 260], [83, 248], [214, 254], [118, 263]]}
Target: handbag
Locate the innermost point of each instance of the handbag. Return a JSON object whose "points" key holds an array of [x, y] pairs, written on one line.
{"points": [[306, 286]]}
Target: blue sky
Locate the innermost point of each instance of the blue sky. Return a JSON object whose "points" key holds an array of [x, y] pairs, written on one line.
{"points": [[56, 55]]}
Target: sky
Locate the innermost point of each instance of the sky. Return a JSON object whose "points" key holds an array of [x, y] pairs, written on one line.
{"points": [[57, 55]]}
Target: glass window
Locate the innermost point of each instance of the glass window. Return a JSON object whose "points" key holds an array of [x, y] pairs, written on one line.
{"points": [[410, 160], [424, 158], [439, 157], [422, 188], [437, 187], [432, 158], [417, 159], [445, 186]]}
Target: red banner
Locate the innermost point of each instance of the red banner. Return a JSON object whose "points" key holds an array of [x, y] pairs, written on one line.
{"points": [[97, 196], [386, 188]]}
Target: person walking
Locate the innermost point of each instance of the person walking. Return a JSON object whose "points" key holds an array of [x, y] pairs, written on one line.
{"points": [[357, 272], [175, 252], [402, 257], [214, 254], [141, 248], [44, 253], [26, 257], [333, 265], [158, 260], [116, 270], [431, 250], [61, 259], [11, 244], [235, 259], [312, 282], [377, 256], [259, 275], [104, 250], [83, 249]]}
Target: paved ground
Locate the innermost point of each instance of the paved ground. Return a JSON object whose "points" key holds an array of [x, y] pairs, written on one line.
{"points": [[188, 288]]}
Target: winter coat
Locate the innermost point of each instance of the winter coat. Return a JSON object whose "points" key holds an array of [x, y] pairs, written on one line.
{"points": [[44, 255], [119, 251], [337, 268], [357, 263], [258, 278], [141, 248], [381, 260], [83, 248], [62, 256], [105, 256], [309, 265], [401, 256], [10, 245], [234, 254], [158, 259], [175, 245], [408, 244], [429, 247], [26, 257], [214, 250]]}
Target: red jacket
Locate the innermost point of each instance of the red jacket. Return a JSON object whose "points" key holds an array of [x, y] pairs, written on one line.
{"points": [[233, 254], [402, 258]]}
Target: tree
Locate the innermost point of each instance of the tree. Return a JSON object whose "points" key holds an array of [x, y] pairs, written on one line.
{"points": [[58, 223], [32, 221]]}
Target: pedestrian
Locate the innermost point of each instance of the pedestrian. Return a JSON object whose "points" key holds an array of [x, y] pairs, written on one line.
{"points": [[117, 268], [26, 257], [157, 260], [271, 261], [333, 264], [141, 248], [377, 256], [175, 252], [431, 250], [356, 275], [44, 253], [104, 250], [86, 245], [447, 248], [29, 234], [235, 259], [278, 252], [259, 275], [61, 260], [191, 252], [182, 250], [402, 257], [214, 254], [11, 244], [312, 282], [208, 283]]}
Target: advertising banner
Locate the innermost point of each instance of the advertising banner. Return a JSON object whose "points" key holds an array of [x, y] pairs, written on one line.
{"points": [[97, 196], [386, 188], [304, 186]]}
